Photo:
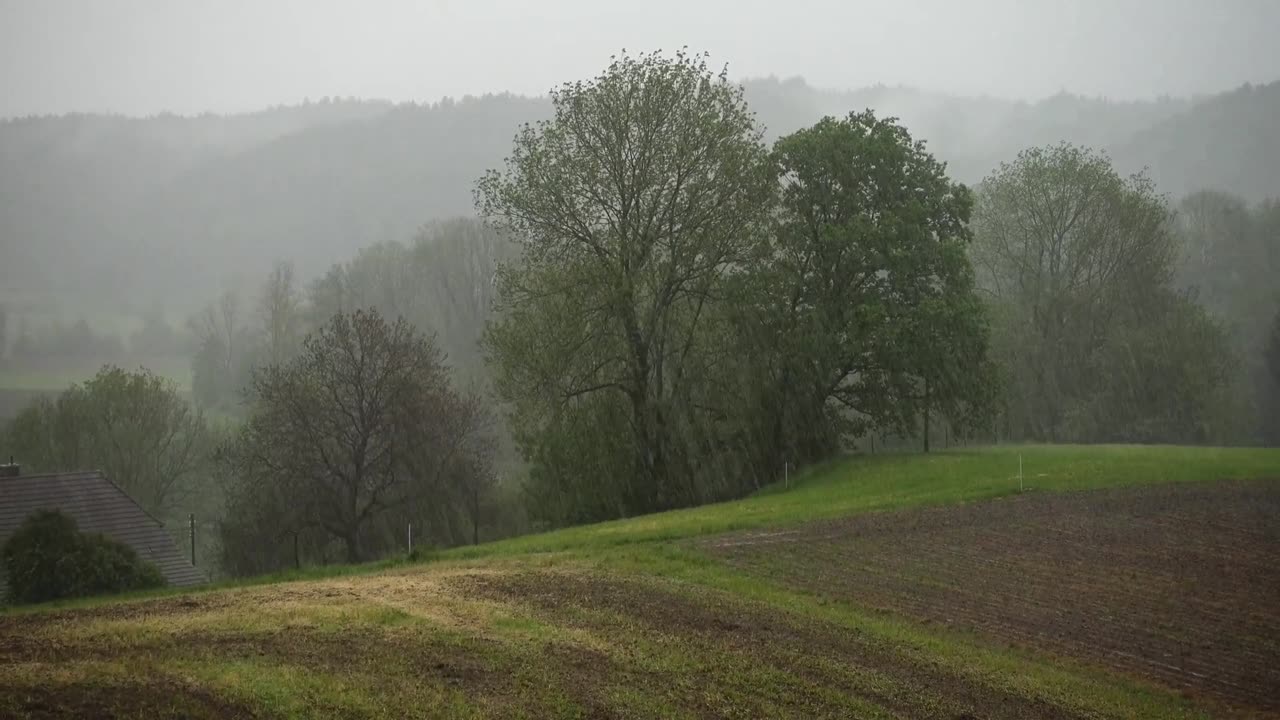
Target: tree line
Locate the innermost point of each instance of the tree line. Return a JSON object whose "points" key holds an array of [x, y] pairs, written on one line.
{"points": [[694, 310], [658, 309]]}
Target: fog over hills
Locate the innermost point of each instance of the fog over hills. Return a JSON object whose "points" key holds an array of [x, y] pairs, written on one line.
{"points": [[129, 211]]}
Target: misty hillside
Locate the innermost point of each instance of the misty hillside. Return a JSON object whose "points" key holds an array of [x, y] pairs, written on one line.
{"points": [[126, 212], [1228, 142]]}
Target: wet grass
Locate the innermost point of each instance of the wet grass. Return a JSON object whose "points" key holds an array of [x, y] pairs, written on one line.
{"points": [[619, 634], [618, 619], [872, 483]]}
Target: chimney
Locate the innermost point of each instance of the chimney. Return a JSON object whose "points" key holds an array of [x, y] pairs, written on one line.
{"points": [[13, 469]]}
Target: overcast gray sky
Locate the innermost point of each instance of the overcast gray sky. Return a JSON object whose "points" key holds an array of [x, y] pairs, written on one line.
{"points": [[146, 56]]}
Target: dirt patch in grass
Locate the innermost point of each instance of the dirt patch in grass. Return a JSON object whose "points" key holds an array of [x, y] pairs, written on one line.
{"points": [[155, 699], [125, 610], [809, 660], [383, 656], [1177, 583]]}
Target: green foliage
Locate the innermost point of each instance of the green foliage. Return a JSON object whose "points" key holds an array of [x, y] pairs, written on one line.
{"points": [[863, 313], [1094, 343], [137, 198], [681, 324], [48, 558], [1272, 405], [133, 426], [632, 206], [1167, 377], [1229, 258]]}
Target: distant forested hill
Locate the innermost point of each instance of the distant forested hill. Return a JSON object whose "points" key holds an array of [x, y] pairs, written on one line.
{"points": [[1229, 142], [127, 213]]}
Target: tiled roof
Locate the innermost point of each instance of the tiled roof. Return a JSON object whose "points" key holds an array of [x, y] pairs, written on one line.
{"points": [[98, 506]]}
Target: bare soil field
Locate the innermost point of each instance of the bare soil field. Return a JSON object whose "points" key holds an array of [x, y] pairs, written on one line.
{"points": [[1179, 584]]}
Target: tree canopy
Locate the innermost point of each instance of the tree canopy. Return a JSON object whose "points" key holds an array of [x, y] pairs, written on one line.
{"points": [[865, 302], [361, 425], [132, 425], [1096, 344], [632, 204], [690, 311]]}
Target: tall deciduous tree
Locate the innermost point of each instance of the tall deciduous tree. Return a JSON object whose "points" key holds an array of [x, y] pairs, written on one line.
{"points": [[361, 423], [632, 203], [219, 370], [1079, 264], [865, 301], [279, 312]]}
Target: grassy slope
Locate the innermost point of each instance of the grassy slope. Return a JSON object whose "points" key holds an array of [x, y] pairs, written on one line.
{"points": [[616, 618], [887, 482]]}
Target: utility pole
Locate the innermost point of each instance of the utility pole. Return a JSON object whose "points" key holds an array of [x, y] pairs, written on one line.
{"points": [[191, 519]]}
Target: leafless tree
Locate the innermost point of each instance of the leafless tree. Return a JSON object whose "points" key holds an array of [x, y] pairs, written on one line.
{"points": [[363, 421]]}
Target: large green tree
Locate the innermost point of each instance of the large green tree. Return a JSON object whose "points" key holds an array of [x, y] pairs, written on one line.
{"points": [[1079, 263], [864, 314], [632, 204]]}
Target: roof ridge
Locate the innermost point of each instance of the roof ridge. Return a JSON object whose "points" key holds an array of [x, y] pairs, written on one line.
{"points": [[26, 476], [104, 507], [91, 473], [136, 504]]}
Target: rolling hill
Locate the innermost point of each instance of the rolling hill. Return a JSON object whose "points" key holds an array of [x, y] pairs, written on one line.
{"points": [[125, 213], [1104, 582]]}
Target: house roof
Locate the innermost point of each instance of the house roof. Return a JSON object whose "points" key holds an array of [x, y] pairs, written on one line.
{"points": [[98, 506]]}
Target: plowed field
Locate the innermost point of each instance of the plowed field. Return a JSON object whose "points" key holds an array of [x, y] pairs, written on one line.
{"points": [[1175, 583]]}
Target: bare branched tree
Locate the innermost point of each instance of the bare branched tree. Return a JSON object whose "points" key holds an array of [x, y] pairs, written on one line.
{"points": [[363, 421]]}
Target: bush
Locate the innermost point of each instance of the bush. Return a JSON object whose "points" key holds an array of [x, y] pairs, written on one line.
{"points": [[48, 558]]}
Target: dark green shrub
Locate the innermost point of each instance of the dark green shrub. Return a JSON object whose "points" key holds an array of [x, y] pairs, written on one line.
{"points": [[41, 559], [111, 567], [48, 558]]}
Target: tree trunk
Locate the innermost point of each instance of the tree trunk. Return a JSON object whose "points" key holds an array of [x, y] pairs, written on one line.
{"points": [[352, 541], [926, 415]]}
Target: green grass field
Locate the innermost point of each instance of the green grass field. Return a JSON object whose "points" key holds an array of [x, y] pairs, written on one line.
{"points": [[624, 619]]}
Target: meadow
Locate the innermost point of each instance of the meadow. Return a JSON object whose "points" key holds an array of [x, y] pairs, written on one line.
{"points": [[853, 592]]}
